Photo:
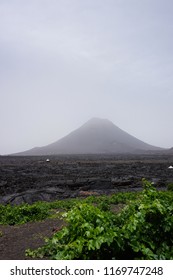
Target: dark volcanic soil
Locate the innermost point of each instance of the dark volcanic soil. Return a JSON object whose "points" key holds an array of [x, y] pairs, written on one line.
{"points": [[29, 179], [16, 239]]}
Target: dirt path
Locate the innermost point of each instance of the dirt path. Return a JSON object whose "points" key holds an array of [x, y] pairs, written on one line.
{"points": [[16, 239]]}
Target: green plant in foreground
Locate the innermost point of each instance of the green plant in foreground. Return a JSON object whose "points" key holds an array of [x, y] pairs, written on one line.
{"points": [[89, 234], [142, 230], [22, 214], [170, 187], [148, 226]]}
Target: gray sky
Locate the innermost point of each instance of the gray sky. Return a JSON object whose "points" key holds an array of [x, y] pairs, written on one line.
{"points": [[63, 62]]}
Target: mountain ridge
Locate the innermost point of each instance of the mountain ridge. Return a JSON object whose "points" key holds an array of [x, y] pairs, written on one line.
{"points": [[96, 136]]}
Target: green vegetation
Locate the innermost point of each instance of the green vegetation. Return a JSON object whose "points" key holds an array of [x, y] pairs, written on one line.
{"points": [[20, 214], [24, 213], [170, 187], [142, 228]]}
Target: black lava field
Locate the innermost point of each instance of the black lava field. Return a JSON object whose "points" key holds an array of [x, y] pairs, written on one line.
{"points": [[30, 179]]}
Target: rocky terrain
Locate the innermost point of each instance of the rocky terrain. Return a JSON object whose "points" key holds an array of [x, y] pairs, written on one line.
{"points": [[29, 179]]}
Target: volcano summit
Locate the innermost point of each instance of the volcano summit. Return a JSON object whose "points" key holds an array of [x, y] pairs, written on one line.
{"points": [[97, 136]]}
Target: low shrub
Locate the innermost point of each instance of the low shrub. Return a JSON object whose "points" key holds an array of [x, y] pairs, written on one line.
{"points": [[170, 187], [147, 225], [89, 234], [24, 213], [142, 230]]}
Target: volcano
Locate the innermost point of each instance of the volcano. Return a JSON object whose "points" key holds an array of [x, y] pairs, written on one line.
{"points": [[97, 136]]}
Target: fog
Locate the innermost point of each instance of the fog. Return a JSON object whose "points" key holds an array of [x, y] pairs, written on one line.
{"points": [[63, 62]]}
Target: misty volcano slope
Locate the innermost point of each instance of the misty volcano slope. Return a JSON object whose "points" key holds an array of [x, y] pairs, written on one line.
{"points": [[97, 136]]}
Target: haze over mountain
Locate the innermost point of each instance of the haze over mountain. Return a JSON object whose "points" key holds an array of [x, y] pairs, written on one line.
{"points": [[97, 136]]}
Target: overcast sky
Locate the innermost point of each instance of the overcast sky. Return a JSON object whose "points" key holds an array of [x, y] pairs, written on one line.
{"points": [[63, 62]]}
